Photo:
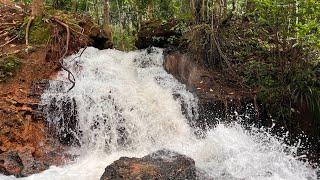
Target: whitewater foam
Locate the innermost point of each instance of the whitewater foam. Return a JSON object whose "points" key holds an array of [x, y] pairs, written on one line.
{"points": [[127, 105]]}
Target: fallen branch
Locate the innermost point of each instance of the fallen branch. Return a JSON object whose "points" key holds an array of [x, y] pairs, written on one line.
{"points": [[65, 53], [28, 29], [9, 41]]}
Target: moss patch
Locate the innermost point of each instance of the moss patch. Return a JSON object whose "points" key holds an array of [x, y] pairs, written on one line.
{"points": [[8, 65], [39, 32]]}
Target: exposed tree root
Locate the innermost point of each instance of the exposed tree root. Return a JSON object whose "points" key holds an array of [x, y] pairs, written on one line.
{"points": [[28, 29], [71, 77]]}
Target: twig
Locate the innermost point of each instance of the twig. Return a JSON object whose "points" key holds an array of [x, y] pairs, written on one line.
{"points": [[9, 41], [65, 53], [13, 23], [4, 34], [7, 54], [28, 29]]}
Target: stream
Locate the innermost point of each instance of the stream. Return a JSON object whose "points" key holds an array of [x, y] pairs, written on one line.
{"points": [[126, 104]]}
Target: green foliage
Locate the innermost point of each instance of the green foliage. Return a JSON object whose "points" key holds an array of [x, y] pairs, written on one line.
{"points": [[8, 65], [260, 74], [123, 39], [298, 20], [39, 32], [305, 88]]}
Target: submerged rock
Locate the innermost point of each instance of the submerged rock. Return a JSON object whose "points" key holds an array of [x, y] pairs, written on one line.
{"points": [[162, 164]]}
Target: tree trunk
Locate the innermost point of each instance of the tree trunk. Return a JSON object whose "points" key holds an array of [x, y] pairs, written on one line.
{"points": [[57, 4], [225, 8], [74, 5], [37, 8], [203, 10], [192, 7], [106, 19], [198, 4], [217, 12], [234, 6], [106, 13], [150, 10]]}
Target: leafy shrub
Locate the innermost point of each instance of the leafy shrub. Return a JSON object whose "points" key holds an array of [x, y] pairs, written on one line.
{"points": [[8, 65]]}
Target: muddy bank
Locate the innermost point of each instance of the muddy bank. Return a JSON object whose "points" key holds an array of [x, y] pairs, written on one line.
{"points": [[26, 144], [220, 99]]}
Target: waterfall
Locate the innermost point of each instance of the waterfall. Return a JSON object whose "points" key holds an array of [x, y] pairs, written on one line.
{"points": [[125, 104]]}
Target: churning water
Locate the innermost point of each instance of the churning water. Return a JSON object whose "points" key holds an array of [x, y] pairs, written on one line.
{"points": [[127, 105]]}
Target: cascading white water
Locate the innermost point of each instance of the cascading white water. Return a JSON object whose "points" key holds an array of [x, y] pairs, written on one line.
{"points": [[127, 105]]}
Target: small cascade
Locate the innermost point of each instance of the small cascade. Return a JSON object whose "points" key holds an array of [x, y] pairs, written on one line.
{"points": [[126, 104]]}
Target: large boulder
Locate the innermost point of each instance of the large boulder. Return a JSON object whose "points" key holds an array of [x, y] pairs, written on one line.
{"points": [[162, 164]]}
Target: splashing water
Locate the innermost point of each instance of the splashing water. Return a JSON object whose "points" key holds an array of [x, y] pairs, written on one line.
{"points": [[127, 105]]}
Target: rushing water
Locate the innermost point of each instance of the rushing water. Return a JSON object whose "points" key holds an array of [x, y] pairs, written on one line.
{"points": [[127, 105]]}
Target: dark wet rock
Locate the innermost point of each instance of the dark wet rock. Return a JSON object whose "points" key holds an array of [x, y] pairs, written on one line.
{"points": [[66, 127], [162, 164], [158, 34]]}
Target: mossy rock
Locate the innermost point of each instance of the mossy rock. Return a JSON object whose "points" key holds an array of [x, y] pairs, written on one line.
{"points": [[8, 66]]}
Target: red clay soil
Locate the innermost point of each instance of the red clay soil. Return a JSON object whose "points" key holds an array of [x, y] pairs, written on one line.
{"points": [[26, 147]]}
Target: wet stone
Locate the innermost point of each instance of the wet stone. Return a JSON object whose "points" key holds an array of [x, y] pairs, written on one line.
{"points": [[162, 164]]}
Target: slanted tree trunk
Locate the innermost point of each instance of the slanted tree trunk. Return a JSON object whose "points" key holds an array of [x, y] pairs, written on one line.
{"points": [[37, 8]]}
